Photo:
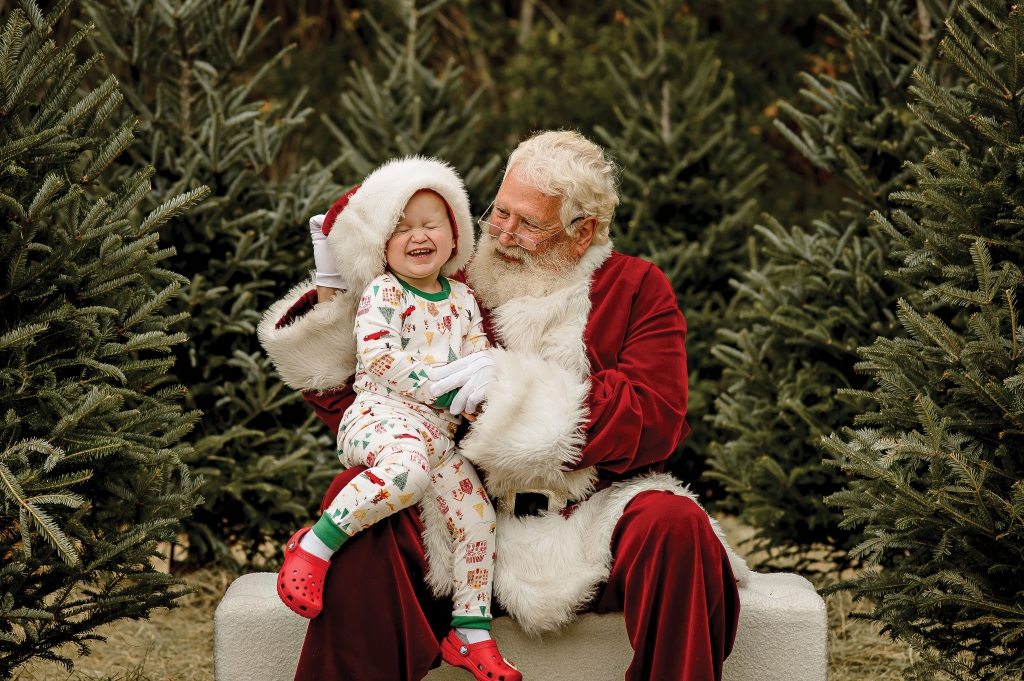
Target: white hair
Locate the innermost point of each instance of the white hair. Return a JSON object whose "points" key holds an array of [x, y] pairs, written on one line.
{"points": [[566, 164]]}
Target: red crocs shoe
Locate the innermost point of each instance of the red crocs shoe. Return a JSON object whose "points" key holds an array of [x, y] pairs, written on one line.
{"points": [[482, 659], [300, 583]]}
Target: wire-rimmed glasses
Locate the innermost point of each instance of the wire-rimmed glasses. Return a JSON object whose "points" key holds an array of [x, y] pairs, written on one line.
{"points": [[495, 230]]}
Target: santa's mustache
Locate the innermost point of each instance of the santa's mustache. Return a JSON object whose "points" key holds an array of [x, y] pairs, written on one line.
{"points": [[516, 252]]}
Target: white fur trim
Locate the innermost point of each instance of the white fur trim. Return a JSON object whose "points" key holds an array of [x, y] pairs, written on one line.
{"points": [[531, 430], [439, 546], [361, 231], [317, 351], [549, 567], [552, 326]]}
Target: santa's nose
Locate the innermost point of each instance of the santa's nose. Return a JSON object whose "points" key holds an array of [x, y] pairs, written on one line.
{"points": [[506, 240]]}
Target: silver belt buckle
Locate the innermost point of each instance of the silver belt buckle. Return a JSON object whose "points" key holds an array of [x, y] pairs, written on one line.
{"points": [[557, 501]]}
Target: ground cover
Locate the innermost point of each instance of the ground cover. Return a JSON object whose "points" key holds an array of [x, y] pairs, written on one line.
{"points": [[177, 645]]}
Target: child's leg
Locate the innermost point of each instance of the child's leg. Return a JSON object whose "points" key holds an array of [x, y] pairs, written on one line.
{"points": [[397, 454], [470, 518]]}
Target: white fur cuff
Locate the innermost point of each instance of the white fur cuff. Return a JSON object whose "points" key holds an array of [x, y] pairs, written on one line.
{"points": [[316, 351]]}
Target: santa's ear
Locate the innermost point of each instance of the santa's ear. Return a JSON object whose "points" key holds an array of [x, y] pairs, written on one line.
{"points": [[585, 234]]}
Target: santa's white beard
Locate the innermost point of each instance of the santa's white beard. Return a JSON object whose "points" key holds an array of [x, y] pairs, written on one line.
{"points": [[495, 281]]}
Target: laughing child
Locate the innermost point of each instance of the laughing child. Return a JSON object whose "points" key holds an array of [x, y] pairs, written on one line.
{"points": [[399, 232]]}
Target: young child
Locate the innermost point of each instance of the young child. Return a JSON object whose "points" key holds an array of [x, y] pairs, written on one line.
{"points": [[410, 317]]}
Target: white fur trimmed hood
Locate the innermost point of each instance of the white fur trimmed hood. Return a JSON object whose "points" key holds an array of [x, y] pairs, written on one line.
{"points": [[359, 235]]}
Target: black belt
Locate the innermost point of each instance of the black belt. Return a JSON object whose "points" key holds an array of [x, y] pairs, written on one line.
{"points": [[529, 503]]}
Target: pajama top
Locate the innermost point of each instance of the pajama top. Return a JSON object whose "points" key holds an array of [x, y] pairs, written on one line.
{"points": [[402, 331]]}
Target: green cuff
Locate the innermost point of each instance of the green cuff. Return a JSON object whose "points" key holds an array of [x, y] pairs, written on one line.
{"points": [[445, 401], [471, 623], [329, 533]]}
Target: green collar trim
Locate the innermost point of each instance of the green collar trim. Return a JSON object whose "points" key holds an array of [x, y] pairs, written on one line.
{"points": [[443, 294]]}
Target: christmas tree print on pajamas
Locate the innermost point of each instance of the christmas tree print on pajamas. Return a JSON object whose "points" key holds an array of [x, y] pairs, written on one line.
{"points": [[392, 428]]}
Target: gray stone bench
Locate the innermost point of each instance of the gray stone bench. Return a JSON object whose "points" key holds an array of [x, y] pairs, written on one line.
{"points": [[782, 636]]}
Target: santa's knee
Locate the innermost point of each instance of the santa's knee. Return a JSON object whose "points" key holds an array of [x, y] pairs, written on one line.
{"points": [[667, 521]]}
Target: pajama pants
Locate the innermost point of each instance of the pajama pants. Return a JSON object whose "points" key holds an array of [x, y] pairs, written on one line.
{"points": [[410, 459]]}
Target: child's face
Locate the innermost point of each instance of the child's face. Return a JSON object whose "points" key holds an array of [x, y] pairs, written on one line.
{"points": [[422, 241]]}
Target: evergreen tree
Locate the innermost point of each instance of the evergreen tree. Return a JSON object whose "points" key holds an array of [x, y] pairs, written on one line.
{"points": [[686, 183], [938, 466], [542, 66], [191, 74], [767, 46], [91, 472], [820, 292], [398, 105]]}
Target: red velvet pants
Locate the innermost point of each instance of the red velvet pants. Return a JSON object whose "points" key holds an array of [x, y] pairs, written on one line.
{"points": [[670, 577]]}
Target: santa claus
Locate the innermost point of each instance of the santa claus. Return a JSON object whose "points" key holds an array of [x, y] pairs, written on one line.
{"points": [[579, 405]]}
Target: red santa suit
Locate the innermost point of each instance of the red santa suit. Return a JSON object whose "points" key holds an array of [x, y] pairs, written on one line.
{"points": [[588, 403]]}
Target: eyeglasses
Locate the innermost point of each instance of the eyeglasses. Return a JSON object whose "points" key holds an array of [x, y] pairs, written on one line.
{"points": [[487, 224]]}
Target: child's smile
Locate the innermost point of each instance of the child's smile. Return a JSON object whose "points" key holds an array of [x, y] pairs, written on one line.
{"points": [[420, 253]]}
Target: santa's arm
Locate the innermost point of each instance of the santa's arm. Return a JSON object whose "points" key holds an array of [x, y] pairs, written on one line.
{"points": [[330, 405], [637, 411], [312, 345]]}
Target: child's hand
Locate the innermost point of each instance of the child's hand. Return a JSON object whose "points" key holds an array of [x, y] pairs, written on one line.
{"points": [[470, 417], [328, 279]]}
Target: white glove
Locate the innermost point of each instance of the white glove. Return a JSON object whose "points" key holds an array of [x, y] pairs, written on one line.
{"points": [[326, 272], [472, 375]]}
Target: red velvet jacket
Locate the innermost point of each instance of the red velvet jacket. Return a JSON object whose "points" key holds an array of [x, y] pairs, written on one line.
{"points": [[635, 343]]}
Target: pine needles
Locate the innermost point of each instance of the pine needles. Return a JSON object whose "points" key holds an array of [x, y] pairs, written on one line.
{"points": [[91, 472], [937, 467]]}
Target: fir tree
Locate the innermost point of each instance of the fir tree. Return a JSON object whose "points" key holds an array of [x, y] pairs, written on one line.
{"points": [[398, 105], [191, 75], [91, 472], [938, 466], [820, 292], [686, 183], [542, 66]]}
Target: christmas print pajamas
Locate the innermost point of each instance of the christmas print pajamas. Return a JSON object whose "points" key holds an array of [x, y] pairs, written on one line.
{"points": [[405, 436]]}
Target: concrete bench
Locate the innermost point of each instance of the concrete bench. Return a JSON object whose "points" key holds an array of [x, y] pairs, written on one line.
{"points": [[782, 636]]}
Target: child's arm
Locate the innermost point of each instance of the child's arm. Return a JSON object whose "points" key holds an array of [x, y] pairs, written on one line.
{"points": [[473, 342], [476, 339], [378, 330]]}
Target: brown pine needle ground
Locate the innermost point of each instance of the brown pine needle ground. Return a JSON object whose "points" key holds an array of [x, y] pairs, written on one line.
{"points": [[856, 651], [177, 645], [173, 645]]}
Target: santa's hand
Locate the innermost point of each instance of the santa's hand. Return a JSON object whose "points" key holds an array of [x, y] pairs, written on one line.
{"points": [[472, 375], [327, 274]]}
